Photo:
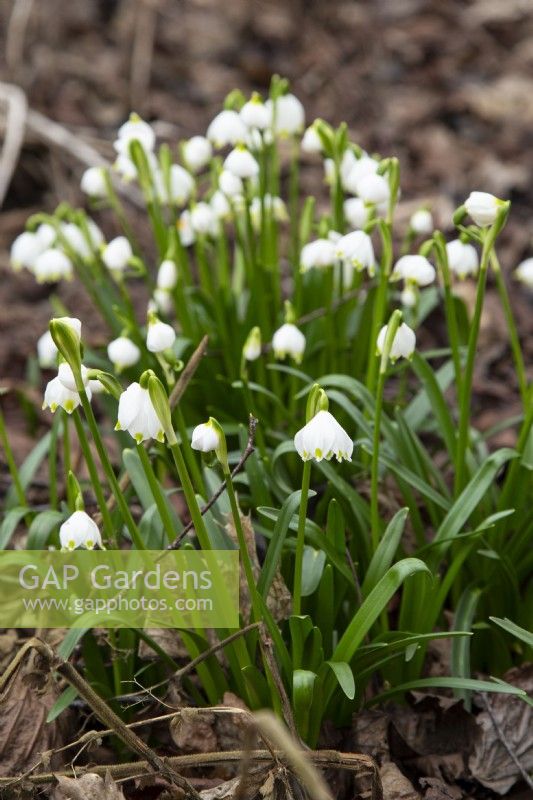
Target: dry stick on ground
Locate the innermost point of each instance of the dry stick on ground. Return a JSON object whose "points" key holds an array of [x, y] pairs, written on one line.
{"points": [[249, 449], [142, 52], [176, 395], [52, 663], [16, 33], [17, 109]]}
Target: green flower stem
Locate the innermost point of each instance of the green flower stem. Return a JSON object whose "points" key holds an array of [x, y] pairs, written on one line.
{"points": [[509, 486], [190, 460], [118, 208], [157, 493], [392, 328], [466, 387], [243, 547], [300, 540], [110, 474], [380, 302], [511, 326], [95, 479], [52, 463], [67, 458], [11, 464], [449, 308], [337, 201], [294, 192], [190, 497]]}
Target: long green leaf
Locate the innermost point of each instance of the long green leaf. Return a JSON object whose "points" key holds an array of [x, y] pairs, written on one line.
{"points": [[384, 555]]}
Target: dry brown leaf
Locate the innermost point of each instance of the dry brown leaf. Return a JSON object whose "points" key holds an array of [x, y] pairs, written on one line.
{"points": [[87, 787], [395, 785]]}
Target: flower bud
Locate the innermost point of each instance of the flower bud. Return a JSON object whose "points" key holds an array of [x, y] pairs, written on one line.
{"points": [[252, 346], [66, 335], [462, 258], [161, 405], [160, 336], [123, 353], [46, 351], [524, 272], [421, 222], [93, 182], [483, 208], [167, 275], [197, 152], [117, 254]]}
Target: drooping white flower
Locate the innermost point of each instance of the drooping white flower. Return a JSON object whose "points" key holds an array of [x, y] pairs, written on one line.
{"points": [[322, 438], [273, 205], [123, 353], [135, 129], [24, 251], [93, 182], [162, 301], [356, 248], [226, 128], [203, 219], [241, 163], [197, 152], [160, 336], [311, 141], [56, 395], [403, 345], [252, 346], [524, 272], [117, 253], [52, 265], [46, 351], [185, 229], [421, 222], [137, 415], [220, 205], [229, 183], [66, 376], [357, 169], [289, 341], [287, 115], [75, 239], [320, 253], [46, 234], [255, 114], [462, 258], [181, 185], [409, 296], [125, 167], [96, 386], [167, 275], [205, 438], [79, 530], [373, 188], [356, 212], [483, 207], [414, 269]]}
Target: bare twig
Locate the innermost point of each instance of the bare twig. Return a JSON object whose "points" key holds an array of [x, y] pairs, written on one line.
{"points": [[250, 447], [16, 33], [176, 395], [17, 109], [142, 52], [266, 649]]}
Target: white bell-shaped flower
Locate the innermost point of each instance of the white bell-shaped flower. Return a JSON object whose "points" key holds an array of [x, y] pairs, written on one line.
{"points": [[203, 219], [46, 351], [403, 345], [255, 114], [220, 205], [135, 129], [79, 530], [167, 275], [322, 438], [414, 269], [421, 222], [117, 254], [463, 259], [160, 336], [226, 128], [287, 115], [483, 207], [56, 395], [73, 323], [93, 182], [52, 265], [289, 341], [320, 253], [125, 167], [197, 152], [409, 296], [24, 251], [355, 212], [66, 376], [356, 170], [230, 184], [374, 188], [137, 415], [241, 163], [162, 301], [46, 234], [123, 353], [524, 272], [311, 141], [205, 438], [181, 185], [273, 205], [185, 229], [356, 249]]}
